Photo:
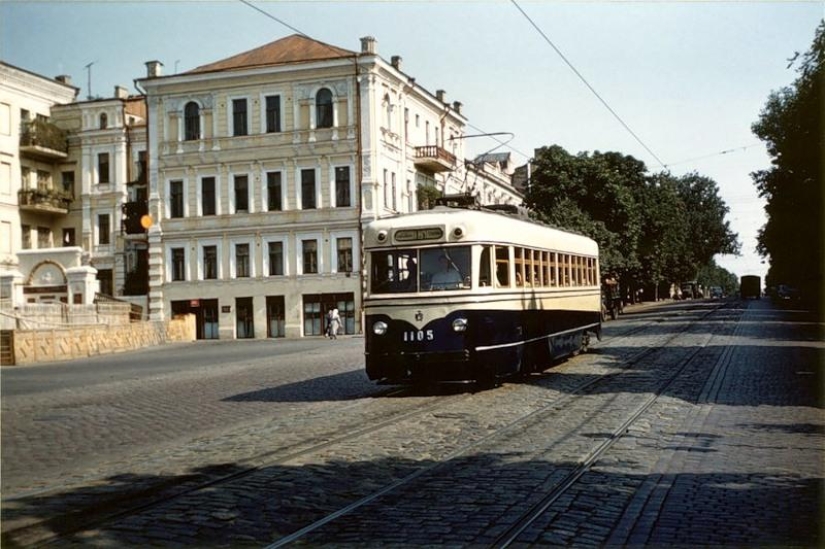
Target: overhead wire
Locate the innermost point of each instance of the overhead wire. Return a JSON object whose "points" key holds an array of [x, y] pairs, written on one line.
{"points": [[282, 22], [589, 86]]}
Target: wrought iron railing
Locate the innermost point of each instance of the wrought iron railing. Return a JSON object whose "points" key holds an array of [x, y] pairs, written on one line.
{"points": [[39, 133]]}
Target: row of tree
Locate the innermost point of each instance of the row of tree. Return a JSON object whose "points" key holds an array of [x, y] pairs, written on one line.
{"points": [[791, 125], [653, 229]]}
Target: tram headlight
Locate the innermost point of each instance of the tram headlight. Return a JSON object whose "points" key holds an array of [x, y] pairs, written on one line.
{"points": [[460, 325], [379, 328]]}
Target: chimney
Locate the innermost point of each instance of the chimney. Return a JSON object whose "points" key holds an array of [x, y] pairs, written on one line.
{"points": [[441, 95], [368, 44], [396, 62], [64, 79], [121, 92], [457, 106], [154, 69]]}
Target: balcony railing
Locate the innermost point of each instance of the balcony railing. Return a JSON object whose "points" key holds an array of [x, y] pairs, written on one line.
{"points": [[44, 200], [44, 139], [434, 159]]}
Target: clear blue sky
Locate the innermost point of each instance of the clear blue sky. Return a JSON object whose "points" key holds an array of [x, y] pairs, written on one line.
{"points": [[689, 78]]}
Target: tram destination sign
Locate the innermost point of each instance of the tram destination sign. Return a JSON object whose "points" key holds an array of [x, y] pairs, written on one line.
{"points": [[410, 235]]}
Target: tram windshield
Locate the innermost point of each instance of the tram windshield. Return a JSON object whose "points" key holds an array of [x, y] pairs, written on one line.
{"points": [[420, 270]]}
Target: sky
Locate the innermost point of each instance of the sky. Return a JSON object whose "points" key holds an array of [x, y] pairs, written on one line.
{"points": [[685, 80]]}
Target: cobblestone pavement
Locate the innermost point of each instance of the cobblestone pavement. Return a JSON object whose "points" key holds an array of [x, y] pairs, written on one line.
{"points": [[729, 454]]}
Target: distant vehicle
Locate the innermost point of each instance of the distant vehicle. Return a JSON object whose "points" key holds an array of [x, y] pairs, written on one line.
{"points": [[784, 291], [690, 290], [750, 287], [716, 292], [521, 295]]}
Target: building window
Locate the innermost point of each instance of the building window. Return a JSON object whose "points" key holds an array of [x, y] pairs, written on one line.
{"points": [[310, 253], [68, 236], [210, 262], [178, 264], [323, 108], [68, 183], [342, 187], [273, 192], [176, 198], [239, 117], [276, 258], [103, 229], [344, 255], [103, 168], [26, 236], [191, 121], [106, 279], [242, 261], [104, 121], [241, 193], [44, 237], [386, 188], [308, 189], [208, 198], [273, 113], [394, 191]]}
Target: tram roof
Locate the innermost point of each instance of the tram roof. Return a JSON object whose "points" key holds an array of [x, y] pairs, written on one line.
{"points": [[481, 226]]}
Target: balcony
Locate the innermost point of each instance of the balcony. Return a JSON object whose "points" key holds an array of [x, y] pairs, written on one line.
{"points": [[43, 140], [44, 201], [434, 159]]}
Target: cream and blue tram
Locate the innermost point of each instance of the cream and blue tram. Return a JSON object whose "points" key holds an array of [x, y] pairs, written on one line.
{"points": [[470, 295]]}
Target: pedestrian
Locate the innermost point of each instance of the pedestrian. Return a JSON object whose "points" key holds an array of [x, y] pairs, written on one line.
{"points": [[333, 323]]}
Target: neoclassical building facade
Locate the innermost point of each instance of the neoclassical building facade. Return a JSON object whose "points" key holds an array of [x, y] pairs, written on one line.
{"points": [[264, 165]]}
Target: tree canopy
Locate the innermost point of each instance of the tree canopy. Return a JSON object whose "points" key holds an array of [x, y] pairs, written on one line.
{"points": [[651, 228], [791, 125]]}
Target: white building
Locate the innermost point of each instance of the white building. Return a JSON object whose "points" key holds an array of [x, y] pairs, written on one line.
{"points": [[36, 195], [263, 167], [66, 170]]}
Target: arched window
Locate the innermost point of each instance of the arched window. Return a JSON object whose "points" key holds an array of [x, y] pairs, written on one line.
{"points": [[192, 121], [104, 121], [323, 108]]}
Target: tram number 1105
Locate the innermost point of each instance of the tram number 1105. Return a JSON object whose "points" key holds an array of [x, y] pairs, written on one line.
{"points": [[418, 335]]}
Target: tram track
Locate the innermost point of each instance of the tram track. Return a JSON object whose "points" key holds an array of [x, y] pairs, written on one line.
{"points": [[251, 466], [521, 424]]}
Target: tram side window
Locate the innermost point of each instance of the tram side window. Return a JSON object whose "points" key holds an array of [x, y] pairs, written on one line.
{"points": [[553, 274], [564, 269], [484, 266], [502, 266]]}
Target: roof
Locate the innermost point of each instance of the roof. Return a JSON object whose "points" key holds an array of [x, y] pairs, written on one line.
{"points": [[479, 226], [493, 157], [292, 49]]}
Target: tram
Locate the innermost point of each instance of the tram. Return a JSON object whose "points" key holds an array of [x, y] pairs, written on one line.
{"points": [[475, 295]]}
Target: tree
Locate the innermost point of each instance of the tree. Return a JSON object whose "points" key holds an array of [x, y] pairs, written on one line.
{"points": [[791, 125], [593, 195], [651, 229]]}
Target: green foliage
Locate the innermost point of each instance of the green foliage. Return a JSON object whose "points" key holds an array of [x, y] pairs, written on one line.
{"points": [[427, 195], [791, 125], [714, 275], [650, 228]]}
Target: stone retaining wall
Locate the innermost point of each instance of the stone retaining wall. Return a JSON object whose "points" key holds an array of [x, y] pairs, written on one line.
{"points": [[32, 346]]}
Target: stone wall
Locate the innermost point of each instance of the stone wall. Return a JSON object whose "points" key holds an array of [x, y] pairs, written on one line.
{"points": [[33, 346]]}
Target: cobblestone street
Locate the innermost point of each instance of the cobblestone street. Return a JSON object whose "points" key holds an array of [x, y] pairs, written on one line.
{"points": [[689, 424]]}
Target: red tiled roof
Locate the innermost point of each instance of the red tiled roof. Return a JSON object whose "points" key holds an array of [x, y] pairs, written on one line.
{"points": [[292, 49]]}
